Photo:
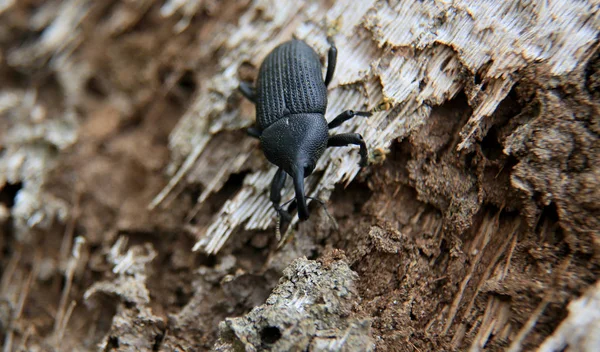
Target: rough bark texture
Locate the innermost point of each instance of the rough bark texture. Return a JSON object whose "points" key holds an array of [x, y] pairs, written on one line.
{"points": [[122, 148]]}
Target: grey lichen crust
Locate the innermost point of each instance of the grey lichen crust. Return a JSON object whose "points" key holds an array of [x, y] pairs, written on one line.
{"points": [[310, 310]]}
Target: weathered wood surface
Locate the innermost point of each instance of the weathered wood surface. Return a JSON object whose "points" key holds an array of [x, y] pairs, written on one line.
{"points": [[405, 56], [473, 228]]}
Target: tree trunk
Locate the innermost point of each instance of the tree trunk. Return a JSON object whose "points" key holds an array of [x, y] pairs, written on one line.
{"points": [[475, 225]]}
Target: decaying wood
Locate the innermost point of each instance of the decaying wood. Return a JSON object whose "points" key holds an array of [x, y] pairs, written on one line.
{"points": [[475, 227], [407, 56]]}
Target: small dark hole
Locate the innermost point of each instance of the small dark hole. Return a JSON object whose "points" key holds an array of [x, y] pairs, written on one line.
{"points": [[503, 298], [195, 191], [9, 192], [469, 159], [211, 261], [490, 145], [550, 215], [181, 297], [187, 82], [129, 304], [443, 245], [158, 339], [270, 334], [95, 88], [113, 343]]}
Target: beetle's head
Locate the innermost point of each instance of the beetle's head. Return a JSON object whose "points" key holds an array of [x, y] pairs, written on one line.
{"points": [[295, 143]]}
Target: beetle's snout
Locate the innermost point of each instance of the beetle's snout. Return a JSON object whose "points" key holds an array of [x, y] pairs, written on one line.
{"points": [[298, 177], [303, 216]]}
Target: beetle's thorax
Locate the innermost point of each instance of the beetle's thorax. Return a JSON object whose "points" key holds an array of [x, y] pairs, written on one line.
{"points": [[295, 141]]}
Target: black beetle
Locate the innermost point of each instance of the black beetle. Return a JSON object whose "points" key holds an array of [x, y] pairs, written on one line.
{"points": [[291, 99]]}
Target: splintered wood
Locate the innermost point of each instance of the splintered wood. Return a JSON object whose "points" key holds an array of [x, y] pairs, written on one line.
{"points": [[405, 56], [474, 227]]}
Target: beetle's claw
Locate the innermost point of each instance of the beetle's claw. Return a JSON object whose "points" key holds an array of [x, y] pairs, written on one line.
{"points": [[364, 160]]}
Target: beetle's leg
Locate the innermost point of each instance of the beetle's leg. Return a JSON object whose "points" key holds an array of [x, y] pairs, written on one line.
{"points": [[276, 187], [344, 139], [254, 132], [345, 116], [331, 62], [248, 91]]}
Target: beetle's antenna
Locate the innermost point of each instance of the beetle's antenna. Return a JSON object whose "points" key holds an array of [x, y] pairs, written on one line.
{"points": [[335, 224], [288, 202]]}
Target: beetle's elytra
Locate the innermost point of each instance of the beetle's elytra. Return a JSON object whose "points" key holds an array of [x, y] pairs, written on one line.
{"points": [[291, 100]]}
